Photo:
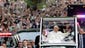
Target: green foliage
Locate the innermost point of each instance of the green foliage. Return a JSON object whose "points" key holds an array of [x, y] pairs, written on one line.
{"points": [[36, 3], [29, 3]]}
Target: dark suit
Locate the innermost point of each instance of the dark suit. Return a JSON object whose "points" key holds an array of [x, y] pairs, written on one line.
{"points": [[37, 41]]}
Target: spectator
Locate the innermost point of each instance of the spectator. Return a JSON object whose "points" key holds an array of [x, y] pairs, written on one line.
{"points": [[32, 43], [3, 45], [36, 23], [20, 45], [44, 36], [26, 44], [68, 28]]}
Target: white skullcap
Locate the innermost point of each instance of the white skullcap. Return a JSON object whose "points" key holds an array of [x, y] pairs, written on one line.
{"points": [[56, 26]]}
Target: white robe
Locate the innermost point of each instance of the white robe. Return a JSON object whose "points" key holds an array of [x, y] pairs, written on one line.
{"points": [[55, 37]]}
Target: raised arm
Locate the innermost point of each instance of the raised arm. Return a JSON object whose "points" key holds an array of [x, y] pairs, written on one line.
{"points": [[81, 31]]}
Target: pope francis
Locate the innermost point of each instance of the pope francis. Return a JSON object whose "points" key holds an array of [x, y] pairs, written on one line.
{"points": [[55, 36]]}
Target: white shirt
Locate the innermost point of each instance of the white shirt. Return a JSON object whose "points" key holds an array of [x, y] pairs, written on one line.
{"points": [[55, 37], [44, 39]]}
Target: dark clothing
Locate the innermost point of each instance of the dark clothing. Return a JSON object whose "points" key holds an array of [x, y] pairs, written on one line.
{"points": [[83, 41], [37, 41], [35, 25]]}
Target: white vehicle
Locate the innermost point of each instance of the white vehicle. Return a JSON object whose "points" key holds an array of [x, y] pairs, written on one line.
{"points": [[70, 41]]}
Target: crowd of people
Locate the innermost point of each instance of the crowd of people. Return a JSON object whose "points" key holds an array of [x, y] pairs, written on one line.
{"points": [[16, 15], [24, 44], [59, 8], [11, 42]]}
